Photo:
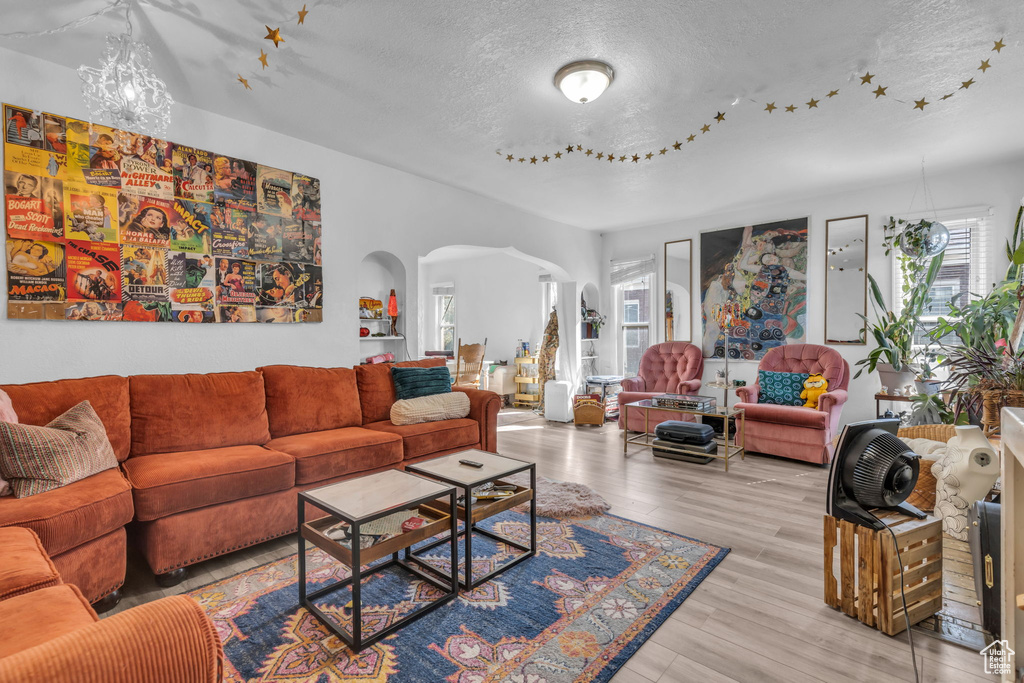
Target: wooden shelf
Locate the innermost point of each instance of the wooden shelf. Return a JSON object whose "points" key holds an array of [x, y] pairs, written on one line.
{"points": [[436, 522], [527, 380], [526, 359], [482, 509]]}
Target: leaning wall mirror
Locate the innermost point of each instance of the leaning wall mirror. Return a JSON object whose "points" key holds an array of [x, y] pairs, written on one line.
{"points": [[678, 290], [846, 279]]}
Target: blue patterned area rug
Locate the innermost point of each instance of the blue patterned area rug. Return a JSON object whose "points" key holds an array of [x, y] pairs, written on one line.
{"points": [[596, 590]]}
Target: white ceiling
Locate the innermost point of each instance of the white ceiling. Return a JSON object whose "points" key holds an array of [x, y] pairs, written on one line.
{"points": [[435, 88]]}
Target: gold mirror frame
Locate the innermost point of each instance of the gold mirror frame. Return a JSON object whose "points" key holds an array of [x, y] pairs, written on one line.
{"points": [[675, 306], [835, 264]]}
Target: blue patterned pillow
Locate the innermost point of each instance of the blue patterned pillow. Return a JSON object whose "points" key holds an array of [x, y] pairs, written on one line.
{"points": [[781, 388], [416, 382]]}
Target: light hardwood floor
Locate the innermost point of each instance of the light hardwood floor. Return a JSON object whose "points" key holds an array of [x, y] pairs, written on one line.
{"points": [[759, 616]]}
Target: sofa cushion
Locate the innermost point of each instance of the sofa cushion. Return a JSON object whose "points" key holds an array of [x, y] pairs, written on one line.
{"points": [[33, 618], [417, 382], [377, 391], [432, 437], [796, 416], [26, 566], [71, 447], [435, 408], [301, 399], [336, 452], [167, 483], [40, 402], [173, 413], [71, 515]]}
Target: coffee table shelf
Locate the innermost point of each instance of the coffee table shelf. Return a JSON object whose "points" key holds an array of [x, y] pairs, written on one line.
{"points": [[482, 509], [732, 447], [437, 522]]}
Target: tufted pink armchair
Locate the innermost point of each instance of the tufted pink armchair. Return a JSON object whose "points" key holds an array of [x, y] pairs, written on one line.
{"points": [[667, 368], [794, 431]]}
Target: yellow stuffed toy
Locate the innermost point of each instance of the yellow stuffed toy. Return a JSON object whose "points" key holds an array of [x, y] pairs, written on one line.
{"points": [[814, 387]]}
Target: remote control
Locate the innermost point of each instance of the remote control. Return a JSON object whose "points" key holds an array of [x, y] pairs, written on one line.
{"points": [[471, 463]]}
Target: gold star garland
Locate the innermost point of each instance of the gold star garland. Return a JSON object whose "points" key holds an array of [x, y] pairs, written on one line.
{"points": [[274, 35], [880, 92]]}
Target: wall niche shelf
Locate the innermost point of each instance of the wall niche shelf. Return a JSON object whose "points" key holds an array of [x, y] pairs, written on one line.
{"points": [[379, 273]]}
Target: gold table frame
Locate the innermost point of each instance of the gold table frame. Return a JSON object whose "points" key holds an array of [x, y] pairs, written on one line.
{"points": [[645, 438]]}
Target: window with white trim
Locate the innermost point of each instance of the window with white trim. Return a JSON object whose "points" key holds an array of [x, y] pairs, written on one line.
{"points": [[444, 315], [964, 272], [633, 284]]}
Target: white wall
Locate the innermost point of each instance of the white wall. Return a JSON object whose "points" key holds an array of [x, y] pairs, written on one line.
{"points": [[497, 297], [999, 185], [366, 208]]}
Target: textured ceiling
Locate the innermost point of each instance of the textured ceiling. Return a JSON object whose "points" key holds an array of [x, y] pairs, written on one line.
{"points": [[436, 88]]}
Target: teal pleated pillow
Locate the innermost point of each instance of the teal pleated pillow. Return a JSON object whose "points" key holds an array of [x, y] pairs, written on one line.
{"points": [[416, 382], [781, 388]]}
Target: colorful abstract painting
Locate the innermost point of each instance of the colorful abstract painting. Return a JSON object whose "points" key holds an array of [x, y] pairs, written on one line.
{"points": [[753, 288]]}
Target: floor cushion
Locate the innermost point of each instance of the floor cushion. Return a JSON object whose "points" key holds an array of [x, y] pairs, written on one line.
{"points": [[26, 566], [167, 483], [432, 437], [336, 452], [33, 618], [796, 416], [73, 514]]}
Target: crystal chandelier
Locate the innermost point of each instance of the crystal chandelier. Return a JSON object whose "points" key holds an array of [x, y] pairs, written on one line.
{"points": [[123, 90]]}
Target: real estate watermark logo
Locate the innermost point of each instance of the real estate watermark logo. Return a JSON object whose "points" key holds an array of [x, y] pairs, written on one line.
{"points": [[997, 658]]}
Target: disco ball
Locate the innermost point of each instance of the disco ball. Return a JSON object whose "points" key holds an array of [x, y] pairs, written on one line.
{"points": [[924, 241]]}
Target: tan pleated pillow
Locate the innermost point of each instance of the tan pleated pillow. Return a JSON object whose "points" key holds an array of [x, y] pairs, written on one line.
{"points": [[434, 408]]}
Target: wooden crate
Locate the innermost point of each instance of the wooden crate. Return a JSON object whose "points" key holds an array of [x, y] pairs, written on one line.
{"points": [[868, 586]]}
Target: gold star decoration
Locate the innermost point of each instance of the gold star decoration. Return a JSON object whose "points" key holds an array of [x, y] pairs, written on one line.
{"points": [[879, 92], [705, 128], [866, 78], [521, 159], [579, 148], [600, 155], [545, 158], [274, 35], [832, 93], [813, 103], [569, 149], [676, 145], [622, 157], [611, 157], [921, 104], [691, 138], [663, 150], [771, 107], [999, 45], [244, 82], [966, 84], [558, 155], [509, 158], [791, 108], [533, 160], [946, 96], [263, 58], [589, 152], [649, 155], [720, 117], [302, 15], [636, 158], [985, 66]]}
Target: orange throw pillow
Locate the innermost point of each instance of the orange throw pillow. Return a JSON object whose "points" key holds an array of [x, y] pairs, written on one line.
{"points": [[37, 459]]}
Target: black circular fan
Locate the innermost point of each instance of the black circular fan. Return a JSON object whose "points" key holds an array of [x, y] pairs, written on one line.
{"points": [[873, 468]]}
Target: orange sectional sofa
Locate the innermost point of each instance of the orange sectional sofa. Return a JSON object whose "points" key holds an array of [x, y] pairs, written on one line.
{"points": [[212, 463], [48, 631]]}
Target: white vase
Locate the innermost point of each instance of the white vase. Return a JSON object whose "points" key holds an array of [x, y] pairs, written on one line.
{"points": [[962, 476], [892, 380]]}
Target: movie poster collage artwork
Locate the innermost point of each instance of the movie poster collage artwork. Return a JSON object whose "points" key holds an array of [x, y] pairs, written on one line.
{"points": [[103, 224]]}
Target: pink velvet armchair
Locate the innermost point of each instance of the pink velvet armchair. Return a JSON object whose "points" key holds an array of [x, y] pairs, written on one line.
{"points": [[794, 431], [667, 368]]}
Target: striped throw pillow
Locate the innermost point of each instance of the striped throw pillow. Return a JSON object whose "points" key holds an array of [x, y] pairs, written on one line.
{"points": [[415, 382], [411, 411], [38, 459]]}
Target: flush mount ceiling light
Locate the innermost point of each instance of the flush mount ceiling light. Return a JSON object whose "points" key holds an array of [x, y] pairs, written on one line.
{"points": [[584, 81], [124, 91]]}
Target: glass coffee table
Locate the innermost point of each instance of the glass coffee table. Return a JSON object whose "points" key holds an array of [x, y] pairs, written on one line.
{"points": [[734, 417], [358, 503], [449, 470]]}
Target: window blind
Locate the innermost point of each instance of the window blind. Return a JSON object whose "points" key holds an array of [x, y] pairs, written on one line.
{"points": [[627, 270]]}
